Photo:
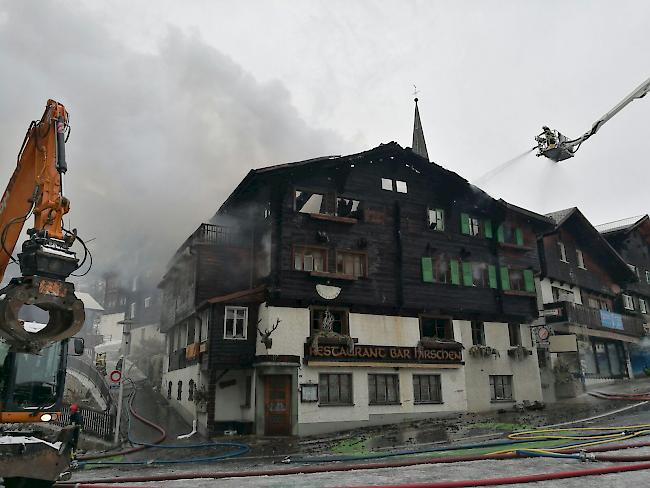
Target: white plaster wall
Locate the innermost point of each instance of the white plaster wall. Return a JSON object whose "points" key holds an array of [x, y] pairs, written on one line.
{"points": [[526, 379], [229, 401], [453, 394], [381, 330], [289, 338], [109, 327], [184, 407], [545, 287]]}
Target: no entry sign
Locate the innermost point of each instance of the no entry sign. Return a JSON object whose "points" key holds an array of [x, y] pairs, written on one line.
{"points": [[115, 376]]}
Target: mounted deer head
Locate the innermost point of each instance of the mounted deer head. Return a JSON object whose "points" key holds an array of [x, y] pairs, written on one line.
{"points": [[266, 335]]}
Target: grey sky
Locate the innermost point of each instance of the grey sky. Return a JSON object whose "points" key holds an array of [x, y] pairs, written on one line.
{"points": [[173, 103]]}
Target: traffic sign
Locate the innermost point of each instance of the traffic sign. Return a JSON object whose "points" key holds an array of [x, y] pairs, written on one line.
{"points": [[115, 376]]}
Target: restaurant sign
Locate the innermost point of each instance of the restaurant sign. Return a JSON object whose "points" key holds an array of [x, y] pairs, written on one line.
{"points": [[383, 354]]}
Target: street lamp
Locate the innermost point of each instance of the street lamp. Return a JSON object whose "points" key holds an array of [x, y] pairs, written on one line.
{"points": [[124, 351]]}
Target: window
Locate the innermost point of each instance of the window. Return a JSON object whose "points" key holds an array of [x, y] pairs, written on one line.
{"points": [[473, 226], [335, 320], [427, 388], [478, 333], [383, 389], [169, 390], [386, 184], [190, 333], [190, 391], [267, 210], [309, 259], [122, 301], [514, 332], [562, 252], [509, 234], [581, 259], [643, 308], [347, 207], [562, 295], [436, 327], [501, 388], [205, 322], [248, 392], [400, 186], [335, 389], [647, 277], [628, 302], [179, 391], [147, 302], [479, 274], [134, 286], [235, 320], [436, 219], [309, 202], [132, 310], [518, 280], [351, 264], [438, 270]]}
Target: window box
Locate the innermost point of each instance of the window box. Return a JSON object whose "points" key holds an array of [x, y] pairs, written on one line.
{"points": [[520, 293], [519, 352], [480, 351], [334, 218], [435, 343], [334, 276], [515, 247]]}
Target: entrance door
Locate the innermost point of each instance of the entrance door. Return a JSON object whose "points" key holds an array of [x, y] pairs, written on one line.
{"points": [[277, 405]]}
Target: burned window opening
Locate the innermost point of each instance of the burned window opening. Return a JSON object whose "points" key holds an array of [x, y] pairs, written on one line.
{"points": [[338, 320], [348, 207], [436, 328]]}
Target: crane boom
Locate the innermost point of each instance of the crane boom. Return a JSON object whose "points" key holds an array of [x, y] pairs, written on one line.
{"points": [[555, 146]]}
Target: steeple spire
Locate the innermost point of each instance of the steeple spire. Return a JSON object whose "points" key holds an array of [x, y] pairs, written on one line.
{"points": [[419, 145]]}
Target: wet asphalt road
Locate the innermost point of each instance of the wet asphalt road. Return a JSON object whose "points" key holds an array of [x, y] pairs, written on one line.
{"points": [[374, 477]]}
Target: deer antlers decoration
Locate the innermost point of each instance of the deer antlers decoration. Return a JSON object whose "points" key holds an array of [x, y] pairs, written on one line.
{"points": [[266, 335]]}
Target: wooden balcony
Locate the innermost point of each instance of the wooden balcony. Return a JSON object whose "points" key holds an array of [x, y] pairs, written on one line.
{"points": [[592, 318]]}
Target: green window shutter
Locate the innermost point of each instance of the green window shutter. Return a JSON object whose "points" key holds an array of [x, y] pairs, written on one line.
{"points": [[519, 235], [500, 236], [455, 275], [488, 229], [505, 278], [427, 270], [492, 275], [467, 274], [529, 280], [464, 223]]}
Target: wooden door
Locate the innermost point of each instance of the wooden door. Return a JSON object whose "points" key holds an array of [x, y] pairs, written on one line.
{"points": [[277, 405]]}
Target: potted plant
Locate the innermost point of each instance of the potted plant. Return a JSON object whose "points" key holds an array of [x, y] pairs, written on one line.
{"points": [[519, 352], [481, 351]]}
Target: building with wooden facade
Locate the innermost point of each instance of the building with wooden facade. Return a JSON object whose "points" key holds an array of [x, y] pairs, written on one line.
{"points": [[583, 300], [354, 290], [631, 239]]}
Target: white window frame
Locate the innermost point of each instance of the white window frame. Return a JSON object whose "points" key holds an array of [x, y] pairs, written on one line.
{"points": [[236, 311], [387, 184], [643, 307], [401, 187], [132, 310], [581, 259], [474, 226], [628, 302], [562, 247], [205, 323], [436, 215], [147, 302]]}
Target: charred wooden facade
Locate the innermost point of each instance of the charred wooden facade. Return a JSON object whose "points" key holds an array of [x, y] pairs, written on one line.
{"points": [[379, 283]]}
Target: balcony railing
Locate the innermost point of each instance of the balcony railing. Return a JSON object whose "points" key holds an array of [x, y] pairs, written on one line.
{"points": [[574, 313]]}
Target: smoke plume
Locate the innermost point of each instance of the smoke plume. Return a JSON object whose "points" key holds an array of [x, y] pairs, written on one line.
{"points": [[158, 140]]}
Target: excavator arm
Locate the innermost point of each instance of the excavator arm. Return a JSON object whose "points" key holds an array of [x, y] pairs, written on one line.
{"points": [[46, 260]]}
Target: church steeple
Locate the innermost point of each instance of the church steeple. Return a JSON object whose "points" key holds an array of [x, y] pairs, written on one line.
{"points": [[419, 145]]}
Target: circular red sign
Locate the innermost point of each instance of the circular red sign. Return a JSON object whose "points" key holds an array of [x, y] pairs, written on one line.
{"points": [[542, 333], [115, 376]]}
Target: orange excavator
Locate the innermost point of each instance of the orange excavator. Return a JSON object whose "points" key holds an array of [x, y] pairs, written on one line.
{"points": [[39, 312]]}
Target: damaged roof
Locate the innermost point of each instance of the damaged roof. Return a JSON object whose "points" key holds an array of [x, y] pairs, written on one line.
{"points": [[388, 149], [623, 225]]}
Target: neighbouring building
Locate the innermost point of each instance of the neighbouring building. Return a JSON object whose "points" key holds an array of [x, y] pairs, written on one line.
{"points": [[346, 291], [631, 238], [582, 298]]}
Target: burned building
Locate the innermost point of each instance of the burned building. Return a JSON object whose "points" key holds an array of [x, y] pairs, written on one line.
{"points": [[352, 290], [583, 300]]}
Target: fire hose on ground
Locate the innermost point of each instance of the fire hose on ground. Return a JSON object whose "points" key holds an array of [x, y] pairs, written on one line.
{"points": [[584, 450]]}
